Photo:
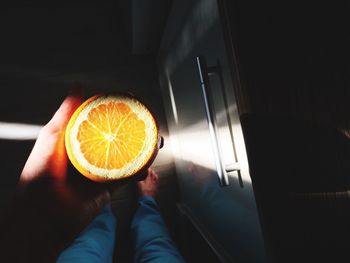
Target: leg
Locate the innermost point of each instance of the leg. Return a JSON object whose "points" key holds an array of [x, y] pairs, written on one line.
{"points": [[152, 240], [95, 244]]}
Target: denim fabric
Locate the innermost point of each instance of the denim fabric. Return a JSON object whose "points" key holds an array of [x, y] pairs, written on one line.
{"points": [[96, 243], [152, 242]]}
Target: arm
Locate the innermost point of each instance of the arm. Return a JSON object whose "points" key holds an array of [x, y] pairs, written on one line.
{"points": [[51, 206]]}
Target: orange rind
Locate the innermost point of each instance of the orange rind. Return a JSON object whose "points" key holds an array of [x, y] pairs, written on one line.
{"points": [[111, 137]]}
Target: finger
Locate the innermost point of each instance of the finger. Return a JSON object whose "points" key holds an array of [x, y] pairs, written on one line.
{"points": [[151, 174], [67, 108], [154, 176], [48, 152]]}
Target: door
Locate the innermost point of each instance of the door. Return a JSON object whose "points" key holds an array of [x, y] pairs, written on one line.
{"points": [[206, 134]]}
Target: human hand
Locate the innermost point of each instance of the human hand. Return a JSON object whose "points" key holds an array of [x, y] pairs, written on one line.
{"points": [[52, 206], [149, 186]]}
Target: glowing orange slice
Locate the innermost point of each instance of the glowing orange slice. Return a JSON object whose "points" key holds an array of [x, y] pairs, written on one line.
{"points": [[110, 137]]}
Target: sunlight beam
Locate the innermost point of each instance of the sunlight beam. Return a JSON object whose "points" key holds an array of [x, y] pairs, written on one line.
{"points": [[19, 131]]}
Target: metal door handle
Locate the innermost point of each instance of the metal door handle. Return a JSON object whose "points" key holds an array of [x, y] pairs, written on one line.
{"points": [[232, 167], [222, 170], [211, 118]]}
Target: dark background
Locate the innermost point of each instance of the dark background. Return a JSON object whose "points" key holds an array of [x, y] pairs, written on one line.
{"points": [[293, 64]]}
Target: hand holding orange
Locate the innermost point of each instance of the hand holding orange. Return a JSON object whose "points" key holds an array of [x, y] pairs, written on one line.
{"points": [[111, 137]]}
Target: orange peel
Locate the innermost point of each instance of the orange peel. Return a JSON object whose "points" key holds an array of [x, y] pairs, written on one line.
{"points": [[111, 137]]}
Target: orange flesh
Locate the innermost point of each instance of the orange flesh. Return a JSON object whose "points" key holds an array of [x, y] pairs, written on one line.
{"points": [[112, 135]]}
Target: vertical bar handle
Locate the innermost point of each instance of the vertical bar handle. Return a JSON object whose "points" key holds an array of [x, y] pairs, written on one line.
{"points": [[209, 110]]}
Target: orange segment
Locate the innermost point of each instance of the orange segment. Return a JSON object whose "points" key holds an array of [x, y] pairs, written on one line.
{"points": [[92, 143], [115, 132], [111, 137]]}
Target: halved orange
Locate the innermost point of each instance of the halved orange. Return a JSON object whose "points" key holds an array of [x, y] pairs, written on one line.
{"points": [[110, 137]]}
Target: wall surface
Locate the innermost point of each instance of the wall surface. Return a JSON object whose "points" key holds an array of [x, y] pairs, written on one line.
{"points": [[293, 58], [293, 64]]}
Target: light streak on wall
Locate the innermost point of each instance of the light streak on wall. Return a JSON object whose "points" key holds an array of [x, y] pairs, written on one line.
{"points": [[19, 131]]}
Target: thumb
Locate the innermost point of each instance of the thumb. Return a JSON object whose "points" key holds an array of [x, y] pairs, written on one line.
{"points": [[60, 120], [48, 152]]}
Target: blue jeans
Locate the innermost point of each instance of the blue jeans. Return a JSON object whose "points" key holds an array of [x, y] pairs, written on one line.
{"points": [[152, 242]]}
